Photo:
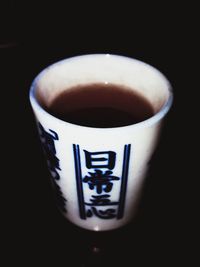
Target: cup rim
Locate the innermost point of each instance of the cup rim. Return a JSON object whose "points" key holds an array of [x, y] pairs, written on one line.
{"points": [[142, 124]]}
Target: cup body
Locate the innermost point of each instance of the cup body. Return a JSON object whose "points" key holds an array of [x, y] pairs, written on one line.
{"points": [[98, 173]]}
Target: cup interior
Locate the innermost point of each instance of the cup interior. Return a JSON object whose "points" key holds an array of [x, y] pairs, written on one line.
{"points": [[133, 77]]}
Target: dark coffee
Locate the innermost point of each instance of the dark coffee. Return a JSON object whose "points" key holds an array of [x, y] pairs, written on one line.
{"points": [[100, 105]]}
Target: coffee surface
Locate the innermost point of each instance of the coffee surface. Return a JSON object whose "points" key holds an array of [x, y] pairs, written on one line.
{"points": [[100, 105]]}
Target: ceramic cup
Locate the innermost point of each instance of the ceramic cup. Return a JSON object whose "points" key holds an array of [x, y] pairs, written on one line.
{"points": [[98, 173]]}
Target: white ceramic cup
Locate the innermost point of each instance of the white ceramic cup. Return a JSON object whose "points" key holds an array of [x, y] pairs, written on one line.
{"points": [[98, 172]]}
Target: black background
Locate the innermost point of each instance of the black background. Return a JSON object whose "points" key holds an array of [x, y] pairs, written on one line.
{"points": [[34, 36]]}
